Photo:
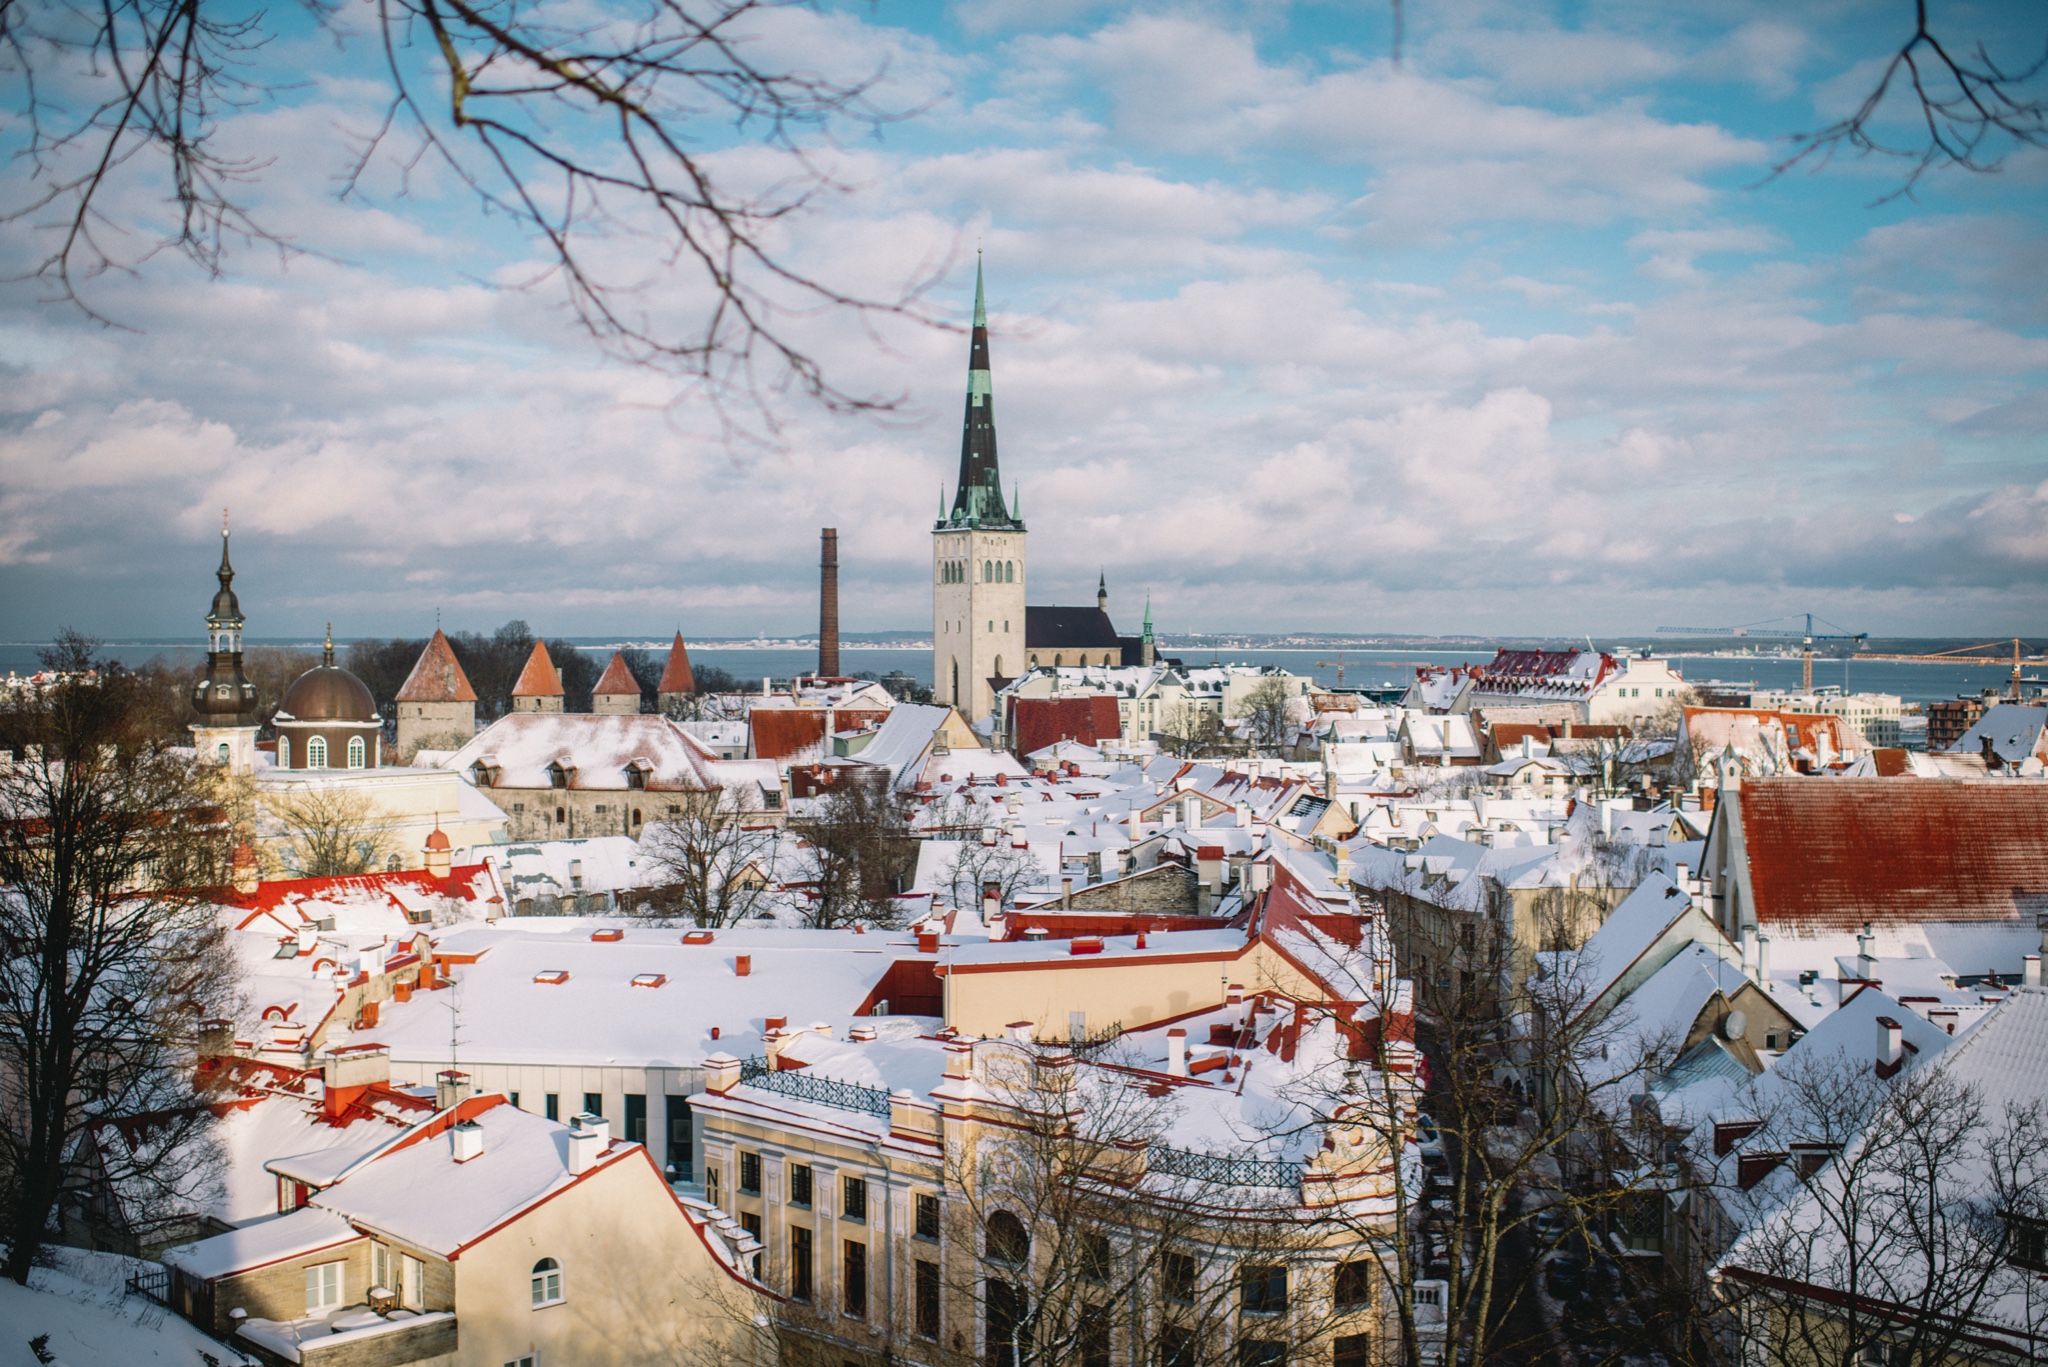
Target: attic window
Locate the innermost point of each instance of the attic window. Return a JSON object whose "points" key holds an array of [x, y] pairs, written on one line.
{"points": [[649, 979], [558, 776], [552, 976]]}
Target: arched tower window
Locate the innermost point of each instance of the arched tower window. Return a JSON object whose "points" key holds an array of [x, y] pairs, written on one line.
{"points": [[316, 753], [357, 752], [284, 752], [956, 681]]}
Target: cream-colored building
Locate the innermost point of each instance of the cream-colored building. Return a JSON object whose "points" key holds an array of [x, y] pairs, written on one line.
{"points": [[1876, 715], [479, 1237], [398, 807]]}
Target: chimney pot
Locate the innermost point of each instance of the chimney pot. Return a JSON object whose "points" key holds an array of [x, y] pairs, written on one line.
{"points": [[467, 1140], [450, 1088], [2030, 970], [1177, 1052], [742, 965], [1891, 1044]]}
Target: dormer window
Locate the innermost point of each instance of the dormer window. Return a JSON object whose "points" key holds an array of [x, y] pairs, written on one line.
{"points": [[484, 774], [636, 774], [559, 774]]}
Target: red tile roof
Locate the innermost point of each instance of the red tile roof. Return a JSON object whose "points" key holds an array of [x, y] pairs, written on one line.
{"points": [[540, 678], [1827, 854], [780, 732], [677, 676], [618, 680], [438, 676], [1038, 722]]}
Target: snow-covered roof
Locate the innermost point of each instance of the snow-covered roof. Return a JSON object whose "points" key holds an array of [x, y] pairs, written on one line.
{"points": [[527, 749], [596, 1016], [261, 1242]]}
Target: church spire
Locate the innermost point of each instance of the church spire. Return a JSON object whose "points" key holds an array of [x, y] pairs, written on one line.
{"points": [[979, 496]]}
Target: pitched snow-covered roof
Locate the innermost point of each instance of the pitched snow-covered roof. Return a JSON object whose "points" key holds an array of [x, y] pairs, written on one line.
{"points": [[524, 749], [2014, 733], [437, 675]]}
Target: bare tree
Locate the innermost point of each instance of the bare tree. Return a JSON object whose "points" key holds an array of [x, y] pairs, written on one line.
{"points": [[577, 131], [1900, 1238], [1265, 707], [331, 831], [716, 858], [113, 853], [1189, 730], [998, 864], [1514, 1114], [854, 855], [1066, 1249], [1967, 109]]}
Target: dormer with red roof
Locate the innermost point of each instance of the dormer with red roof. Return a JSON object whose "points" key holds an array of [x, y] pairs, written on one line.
{"points": [[436, 705], [618, 693], [540, 684]]}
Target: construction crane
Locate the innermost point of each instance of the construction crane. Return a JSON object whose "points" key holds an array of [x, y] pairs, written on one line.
{"points": [[1339, 665], [1806, 639], [1962, 654]]}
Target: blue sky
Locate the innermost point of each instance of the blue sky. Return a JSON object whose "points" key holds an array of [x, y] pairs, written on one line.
{"points": [[1516, 336]]}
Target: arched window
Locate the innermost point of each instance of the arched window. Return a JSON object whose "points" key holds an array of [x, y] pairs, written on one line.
{"points": [[284, 752], [1009, 571], [356, 752], [636, 816], [1058, 660], [220, 752], [547, 1282], [316, 753], [956, 681], [1008, 1240]]}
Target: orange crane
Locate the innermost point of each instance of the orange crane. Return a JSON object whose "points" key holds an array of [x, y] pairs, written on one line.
{"points": [[1955, 656], [1806, 639]]}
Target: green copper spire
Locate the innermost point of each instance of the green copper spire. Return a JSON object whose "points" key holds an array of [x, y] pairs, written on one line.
{"points": [[1148, 619]]}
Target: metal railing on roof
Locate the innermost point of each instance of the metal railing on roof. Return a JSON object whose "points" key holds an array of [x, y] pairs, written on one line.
{"points": [[800, 1084], [151, 1283], [1221, 1171]]}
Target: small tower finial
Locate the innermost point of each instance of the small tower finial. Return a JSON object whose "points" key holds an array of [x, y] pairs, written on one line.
{"points": [[223, 521], [329, 661]]}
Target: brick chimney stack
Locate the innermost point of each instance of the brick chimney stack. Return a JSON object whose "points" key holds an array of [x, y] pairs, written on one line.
{"points": [[828, 605]]}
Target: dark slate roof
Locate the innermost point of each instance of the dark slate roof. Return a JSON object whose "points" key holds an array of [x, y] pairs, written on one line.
{"points": [[1827, 854], [1069, 629]]}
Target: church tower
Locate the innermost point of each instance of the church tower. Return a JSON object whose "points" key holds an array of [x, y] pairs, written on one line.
{"points": [[977, 558], [225, 733]]}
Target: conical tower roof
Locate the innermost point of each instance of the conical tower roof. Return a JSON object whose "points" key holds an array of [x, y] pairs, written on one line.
{"points": [[540, 678], [437, 676], [618, 680], [677, 676]]}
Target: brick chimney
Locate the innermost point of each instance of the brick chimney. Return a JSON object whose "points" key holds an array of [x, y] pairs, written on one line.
{"points": [[828, 604]]}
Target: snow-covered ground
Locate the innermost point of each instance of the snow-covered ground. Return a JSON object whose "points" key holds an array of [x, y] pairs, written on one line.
{"points": [[82, 1304]]}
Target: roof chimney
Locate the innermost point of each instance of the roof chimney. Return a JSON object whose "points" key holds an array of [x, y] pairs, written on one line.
{"points": [[2030, 970], [450, 1088], [1177, 1052], [589, 1137], [1891, 1046], [742, 965], [467, 1139], [828, 604], [1866, 953]]}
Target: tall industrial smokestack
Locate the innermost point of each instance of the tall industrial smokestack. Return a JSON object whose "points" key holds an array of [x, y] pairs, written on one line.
{"points": [[828, 605]]}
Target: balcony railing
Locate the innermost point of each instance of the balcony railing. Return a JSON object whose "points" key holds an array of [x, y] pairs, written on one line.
{"points": [[1221, 1171], [799, 1084]]}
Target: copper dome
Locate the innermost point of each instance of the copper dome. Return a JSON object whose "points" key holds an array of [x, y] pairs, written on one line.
{"points": [[328, 693]]}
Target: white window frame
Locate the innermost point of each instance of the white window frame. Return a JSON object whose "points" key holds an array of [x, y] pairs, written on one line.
{"points": [[326, 1286], [316, 753], [358, 753], [380, 1267], [412, 1287], [547, 1286]]}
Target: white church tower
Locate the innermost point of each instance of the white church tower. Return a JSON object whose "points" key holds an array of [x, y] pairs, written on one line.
{"points": [[977, 558]]}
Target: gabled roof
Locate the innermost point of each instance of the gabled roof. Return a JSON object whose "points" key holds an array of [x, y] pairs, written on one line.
{"points": [[1830, 854], [437, 676], [1036, 723], [540, 678], [1069, 629], [618, 680], [676, 675], [2013, 731]]}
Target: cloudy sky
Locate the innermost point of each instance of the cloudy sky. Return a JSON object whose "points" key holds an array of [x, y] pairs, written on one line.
{"points": [[1515, 335]]}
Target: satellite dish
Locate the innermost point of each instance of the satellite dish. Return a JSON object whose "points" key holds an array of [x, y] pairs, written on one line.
{"points": [[1734, 1024]]}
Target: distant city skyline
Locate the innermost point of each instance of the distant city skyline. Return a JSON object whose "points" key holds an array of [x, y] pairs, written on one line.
{"points": [[1516, 336]]}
